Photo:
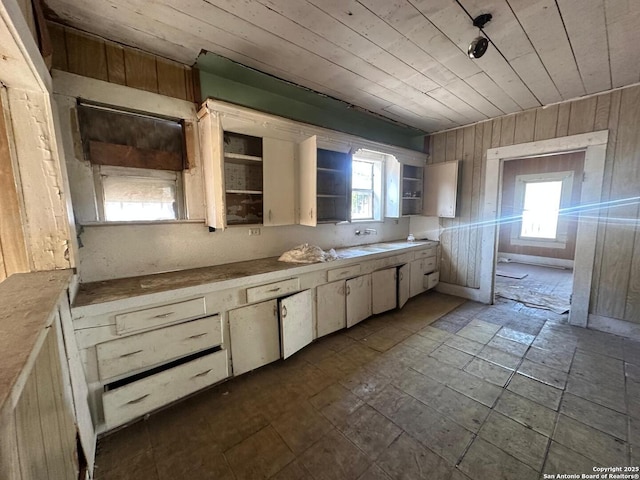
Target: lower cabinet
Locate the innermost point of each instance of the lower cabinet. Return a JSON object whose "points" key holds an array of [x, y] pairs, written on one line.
{"points": [[358, 299], [423, 275], [331, 307], [404, 284], [384, 290], [264, 332]]}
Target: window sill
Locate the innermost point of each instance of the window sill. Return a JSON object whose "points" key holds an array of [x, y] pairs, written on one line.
{"points": [[542, 243]]}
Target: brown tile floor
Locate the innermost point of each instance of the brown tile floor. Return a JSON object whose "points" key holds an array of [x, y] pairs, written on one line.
{"points": [[500, 392]]}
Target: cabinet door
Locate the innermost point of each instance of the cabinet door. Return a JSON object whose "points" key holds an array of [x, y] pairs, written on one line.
{"points": [[255, 336], [278, 177], [212, 154], [392, 194], [441, 189], [308, 160], [358, 299], [296, 320], [383, 290], [330, 312], [404, 279], [416, 285]]}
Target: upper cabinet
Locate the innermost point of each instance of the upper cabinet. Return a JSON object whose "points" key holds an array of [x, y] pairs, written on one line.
{"points": [[441, 189]]}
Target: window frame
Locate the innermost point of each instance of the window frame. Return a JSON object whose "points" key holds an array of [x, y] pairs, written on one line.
{"points": [[560, 241], [377, 159], [101, 171]]}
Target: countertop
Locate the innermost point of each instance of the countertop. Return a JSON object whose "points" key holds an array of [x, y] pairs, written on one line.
{"points": [[28, 302], [93, 293]]}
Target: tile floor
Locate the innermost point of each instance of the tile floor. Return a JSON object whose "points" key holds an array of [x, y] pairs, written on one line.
{"points": [[499, 392]]}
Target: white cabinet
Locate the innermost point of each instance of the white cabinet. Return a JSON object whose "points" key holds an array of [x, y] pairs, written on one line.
{"points": [[264, 332], [384, 290], [404, 281], [404, 189], [330, 307], [358, 299], [423, 275], [308, 164], [255, 336], [296, 322], [279, 182], [441, 189]]}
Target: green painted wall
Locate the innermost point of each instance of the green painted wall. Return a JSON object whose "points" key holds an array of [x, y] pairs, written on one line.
{"points": [[229, 81]]}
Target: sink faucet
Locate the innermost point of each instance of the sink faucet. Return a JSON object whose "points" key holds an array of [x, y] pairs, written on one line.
{"points": [[367, 231]]}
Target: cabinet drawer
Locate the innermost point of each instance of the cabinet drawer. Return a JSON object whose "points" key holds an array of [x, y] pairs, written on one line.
{"points": [[137, 352], [272, 290], [431, 280], [427, 252], [158, 316], [344, 272], [429, 264], [137, 398]]}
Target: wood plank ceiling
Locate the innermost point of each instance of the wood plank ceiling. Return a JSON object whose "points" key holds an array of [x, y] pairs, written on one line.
{"points": [[403, 59]]}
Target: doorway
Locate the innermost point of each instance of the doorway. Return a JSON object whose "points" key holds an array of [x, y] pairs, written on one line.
{"points": [[594, 146], [537, 230]]}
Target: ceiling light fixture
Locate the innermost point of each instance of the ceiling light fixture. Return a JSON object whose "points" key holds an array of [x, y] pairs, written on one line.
{"points": [[478, 46]]}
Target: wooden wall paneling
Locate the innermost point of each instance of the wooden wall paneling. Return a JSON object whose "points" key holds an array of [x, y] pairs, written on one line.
{"points": [[474, 231], [12, 241], [86, 55], [438, 148], [525, 126], [632, 306], [486, 145], [508, 130], [619, 236], [59, 44], [546, 123], [585, 24], [9, 456], [603, 212], [563, 119], [115, 63], [190, 76], [603, 109], [582, 115], [29, 433], [140, 68], [171, 79], [496, 132], [444, 142], [454, 223], [464, 223]]}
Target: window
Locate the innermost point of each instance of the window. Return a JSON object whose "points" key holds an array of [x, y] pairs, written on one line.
{"points": [[366, 186], [134, 194], [540, 199], [137, 162]]}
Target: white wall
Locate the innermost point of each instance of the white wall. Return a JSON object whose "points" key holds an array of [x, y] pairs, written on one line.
{"points": [[116, 251]]}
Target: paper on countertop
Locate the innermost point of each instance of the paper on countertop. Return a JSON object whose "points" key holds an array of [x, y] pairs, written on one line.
{"points": [[306, 253]]}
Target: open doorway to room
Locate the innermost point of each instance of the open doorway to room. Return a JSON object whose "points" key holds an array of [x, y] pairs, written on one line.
{"points": [[537, 234]]}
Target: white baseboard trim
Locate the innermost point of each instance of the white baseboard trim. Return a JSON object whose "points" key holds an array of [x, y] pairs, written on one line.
{"points": [[534, 260], [614, 326], [469, 293]]}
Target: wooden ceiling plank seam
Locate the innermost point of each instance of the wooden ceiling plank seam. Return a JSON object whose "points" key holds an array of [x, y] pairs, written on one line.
{"points": [[508, 36], [543, 24], [482, 83], [585, 24], [453, 22], [622, 18], [463, 90]]}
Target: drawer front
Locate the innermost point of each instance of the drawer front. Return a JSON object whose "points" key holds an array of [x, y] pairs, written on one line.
{"points": [[136, 399], [272, 290], [130, 354], [158, 316], [431, 280], [427, 252], [429, 264], [344, 272]]}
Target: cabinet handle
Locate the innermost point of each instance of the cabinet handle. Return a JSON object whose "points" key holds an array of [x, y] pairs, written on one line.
{"points": [[284, 311], [130, 353], [401, 276], [311, 213], [269, 214], [164, 315], [202, 374], [192, 337], [274, 289], [348, 290], [346, 272], [137, 400]]}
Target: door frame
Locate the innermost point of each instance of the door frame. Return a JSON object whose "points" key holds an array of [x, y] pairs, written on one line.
{"points": [[595, 147]]}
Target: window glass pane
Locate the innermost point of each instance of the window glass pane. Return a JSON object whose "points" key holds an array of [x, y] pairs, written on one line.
{"points": [[541, 209], [138, 198], [362, 175], [361, 205]]}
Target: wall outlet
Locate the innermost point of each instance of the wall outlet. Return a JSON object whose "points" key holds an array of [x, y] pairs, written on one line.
{"points": [[254, 231]]}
